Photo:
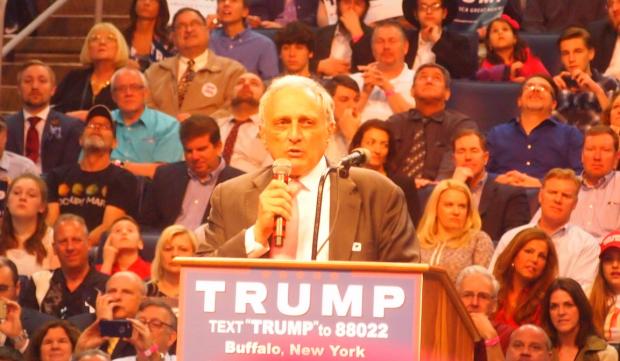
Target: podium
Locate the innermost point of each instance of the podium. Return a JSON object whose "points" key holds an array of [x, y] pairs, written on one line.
{"points": [[257, 309]]}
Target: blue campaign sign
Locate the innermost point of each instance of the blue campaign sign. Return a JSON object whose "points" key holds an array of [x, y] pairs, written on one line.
{"points": [[473, 14]]}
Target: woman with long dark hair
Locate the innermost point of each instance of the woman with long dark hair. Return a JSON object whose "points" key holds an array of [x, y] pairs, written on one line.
{"points": [[524, 270], [376, 136], [147, 34], [567, 318]]}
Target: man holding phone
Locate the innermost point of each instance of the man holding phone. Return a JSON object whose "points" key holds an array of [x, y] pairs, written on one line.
{"points": [[584, 91], [115, 310]]}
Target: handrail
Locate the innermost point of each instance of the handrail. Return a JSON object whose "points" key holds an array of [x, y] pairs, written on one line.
{"points": [[32, 26], [2, 12], [55, 6]]}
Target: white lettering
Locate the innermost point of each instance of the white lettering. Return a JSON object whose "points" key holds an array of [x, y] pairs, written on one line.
{"points": [[210, 288], [251, 294], [386, 297], [332, 301], [303, 304]]}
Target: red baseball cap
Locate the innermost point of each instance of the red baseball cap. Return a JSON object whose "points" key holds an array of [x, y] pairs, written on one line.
{"points": [[611, 240]]}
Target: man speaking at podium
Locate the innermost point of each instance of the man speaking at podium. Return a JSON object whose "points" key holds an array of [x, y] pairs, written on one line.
{"points": [[363, 217]]}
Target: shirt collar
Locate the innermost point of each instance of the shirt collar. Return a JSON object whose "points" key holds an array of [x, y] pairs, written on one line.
{"points": [[601, 182], [42, 114], [211, 177], [312, 179], [4, 161], [117, 116], [199, 62], [481, 183], [437, 117]]}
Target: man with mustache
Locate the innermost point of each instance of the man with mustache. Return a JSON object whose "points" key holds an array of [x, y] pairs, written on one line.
{"points": [[49, 138], [241, 147], [385, 83]]}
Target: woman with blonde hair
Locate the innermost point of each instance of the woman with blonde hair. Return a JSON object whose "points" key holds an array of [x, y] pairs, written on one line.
{"points": [[104, 51], [175, 241], [25, 238], [524, 270], [449, 231]]}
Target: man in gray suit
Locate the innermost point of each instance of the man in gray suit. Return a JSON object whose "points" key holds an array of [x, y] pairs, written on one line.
{"points": [[363, 217]]}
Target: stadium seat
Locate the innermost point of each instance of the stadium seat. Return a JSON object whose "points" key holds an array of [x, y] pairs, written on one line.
{"points": [[488, 103], [544, 46]]}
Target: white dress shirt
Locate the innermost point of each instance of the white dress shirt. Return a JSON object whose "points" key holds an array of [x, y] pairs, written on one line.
{"points": [[40, 126], [577, 251], [249, 153], [306, 201]]}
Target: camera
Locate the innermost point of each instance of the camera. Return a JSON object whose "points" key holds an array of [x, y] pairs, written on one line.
{"points": [[115, 328]]}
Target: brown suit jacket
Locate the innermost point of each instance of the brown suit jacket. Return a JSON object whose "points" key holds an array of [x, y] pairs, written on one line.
{"points": [[372, 211]]}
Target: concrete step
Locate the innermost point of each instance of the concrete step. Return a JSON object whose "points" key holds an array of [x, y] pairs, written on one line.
{"points": [[10, 70], [48, 57], [88, 6], [51, 44], [73, 25]]}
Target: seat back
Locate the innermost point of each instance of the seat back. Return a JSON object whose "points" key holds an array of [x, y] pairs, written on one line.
{"points": [[487, 103], [545, 47]]}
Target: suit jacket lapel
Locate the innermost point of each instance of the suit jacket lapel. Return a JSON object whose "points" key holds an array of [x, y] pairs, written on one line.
{"points": [[20, 132], [260, 182], [344, 199], [488, 193]]}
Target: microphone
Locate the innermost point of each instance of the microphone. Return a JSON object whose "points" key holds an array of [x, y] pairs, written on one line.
{"points": [[358, 157], [281, 169]]}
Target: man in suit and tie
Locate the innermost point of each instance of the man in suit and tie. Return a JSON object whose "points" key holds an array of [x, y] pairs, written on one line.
{"points": [[180, 191], [501, 206], [363, 217], [49, 138]]}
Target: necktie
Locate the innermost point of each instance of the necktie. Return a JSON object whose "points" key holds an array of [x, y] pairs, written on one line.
{"points": [[112, 342], [229, 145], [32, 139], [415, 160], [289, 248], [185, 80]]}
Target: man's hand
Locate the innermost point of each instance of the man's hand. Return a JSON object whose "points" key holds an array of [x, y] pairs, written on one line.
{"points": [[518, 179], [559, 80], [270, 24], [12, 324], [351, 21], [348, 123], [140, 336], [374, 77], [462, 174], [422, 182], [253, 21], [585, 81], [104, 306], [90, 338], [431, 34], [483, 325], [212, 22], [273, 200], [333, 67]]}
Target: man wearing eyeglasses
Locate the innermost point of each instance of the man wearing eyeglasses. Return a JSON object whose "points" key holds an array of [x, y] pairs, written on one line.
{"points": [[524, 149], [196, 80], [94, 188], [478, 289], [146, 138]]}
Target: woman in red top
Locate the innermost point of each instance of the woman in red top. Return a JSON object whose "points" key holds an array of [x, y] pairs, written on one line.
{"points": [[524, 270], [508, 57]]}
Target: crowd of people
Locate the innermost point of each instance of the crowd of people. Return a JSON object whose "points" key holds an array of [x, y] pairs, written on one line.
{"points": [[161, 145]]}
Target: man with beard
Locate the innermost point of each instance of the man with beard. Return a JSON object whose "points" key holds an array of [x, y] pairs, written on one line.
{"points": [[242, 148], [93, 188], [146, 138], [49, 138], [180, 191]]}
